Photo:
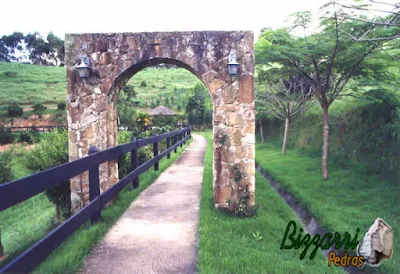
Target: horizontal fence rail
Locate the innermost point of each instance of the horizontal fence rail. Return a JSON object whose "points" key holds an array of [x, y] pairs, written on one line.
{"points": [[17, 191]]}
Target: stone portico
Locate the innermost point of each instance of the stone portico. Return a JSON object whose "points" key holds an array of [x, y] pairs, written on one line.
{"points": [[116, 57]]}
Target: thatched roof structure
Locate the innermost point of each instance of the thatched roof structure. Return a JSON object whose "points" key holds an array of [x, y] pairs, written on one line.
{"points": [[161, 110]]}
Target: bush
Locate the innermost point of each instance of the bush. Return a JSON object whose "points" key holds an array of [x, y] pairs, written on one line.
{"points": [[6, 136], [143, 84], [5, 167], [14, 110], [61, 106], [30, 137], [124, 163], [52, 151], [38, 108]]}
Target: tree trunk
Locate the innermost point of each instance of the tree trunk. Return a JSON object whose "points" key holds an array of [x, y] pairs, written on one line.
{"points": [[285, 136], [262, 133], [325, 146]]}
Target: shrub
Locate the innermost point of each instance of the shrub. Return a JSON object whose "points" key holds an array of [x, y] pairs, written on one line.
{"points": [[52, 151], [38, 107], [143, 84], [30, 137], [6, 136], [5, 167], [61, 106], [124, 163], [14, 110], [24, 137]]}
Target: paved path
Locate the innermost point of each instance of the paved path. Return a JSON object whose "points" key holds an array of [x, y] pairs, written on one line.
{"points": [[158, 232]]}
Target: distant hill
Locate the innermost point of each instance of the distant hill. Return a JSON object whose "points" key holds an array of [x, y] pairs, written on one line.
{"points": [[26, 84]]}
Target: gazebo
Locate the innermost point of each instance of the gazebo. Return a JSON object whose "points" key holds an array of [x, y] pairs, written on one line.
{"points": [[161, 110], [164, 116]]}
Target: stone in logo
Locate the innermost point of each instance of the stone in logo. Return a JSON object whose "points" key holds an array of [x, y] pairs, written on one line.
{"points": [[377, 244]]}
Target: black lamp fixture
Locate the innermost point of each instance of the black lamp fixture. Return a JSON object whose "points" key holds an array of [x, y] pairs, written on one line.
{"points": [[84, 67], [233, 65]]}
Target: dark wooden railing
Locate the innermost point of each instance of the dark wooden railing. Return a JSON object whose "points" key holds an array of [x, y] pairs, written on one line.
{"points": [[17, 191]]}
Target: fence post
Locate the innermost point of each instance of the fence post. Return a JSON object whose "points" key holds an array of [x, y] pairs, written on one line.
{"points": [[181, 137], [155, 151], [94, 185], [134, 164], [175, 142], [1, 247], [168, 145]]}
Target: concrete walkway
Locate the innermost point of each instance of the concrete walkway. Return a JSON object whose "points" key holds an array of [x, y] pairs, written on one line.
{"points": [[158, 232]]}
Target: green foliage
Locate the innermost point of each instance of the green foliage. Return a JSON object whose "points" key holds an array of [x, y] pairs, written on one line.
{"points": [[143, 84], [8, 45], [152, 103], [239, 175], [162, 120], [257, 236], [39, 108], [30, 137], [366, 133], [239, 205], [14, 110], [124, 163], [5, 167], [198, 107], [52, 151], [142, 120], [61, 106], [6, 136]]}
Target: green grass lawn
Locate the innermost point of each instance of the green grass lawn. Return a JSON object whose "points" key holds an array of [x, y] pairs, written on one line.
{"points": [[227, 244], [26, 223], [29, 221], [350, 199], [25, 84]]}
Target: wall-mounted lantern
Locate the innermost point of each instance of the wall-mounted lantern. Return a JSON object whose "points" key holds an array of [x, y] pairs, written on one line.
{"points": [[84, 67], [233, 65]]}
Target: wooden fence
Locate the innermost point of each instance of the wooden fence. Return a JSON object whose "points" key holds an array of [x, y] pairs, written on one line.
{"points": [[20, 190]]}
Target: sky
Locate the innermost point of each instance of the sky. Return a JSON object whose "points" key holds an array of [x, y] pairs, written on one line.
{"points": [[83, 16]]}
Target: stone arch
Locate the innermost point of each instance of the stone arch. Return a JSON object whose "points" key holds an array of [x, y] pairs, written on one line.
{"points": [[115, 58]]}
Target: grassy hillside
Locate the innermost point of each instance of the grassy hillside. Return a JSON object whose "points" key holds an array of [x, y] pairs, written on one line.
{"points": [[26, 84]]}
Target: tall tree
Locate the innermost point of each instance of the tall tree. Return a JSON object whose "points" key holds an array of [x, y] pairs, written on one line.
{"points": [[39, 50], [285, 100], [385, 25], [328, 59], [9, 44]]}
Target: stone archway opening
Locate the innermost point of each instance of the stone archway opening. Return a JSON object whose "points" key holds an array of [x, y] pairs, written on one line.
{"points": [[161, 84], [114, 58]]}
